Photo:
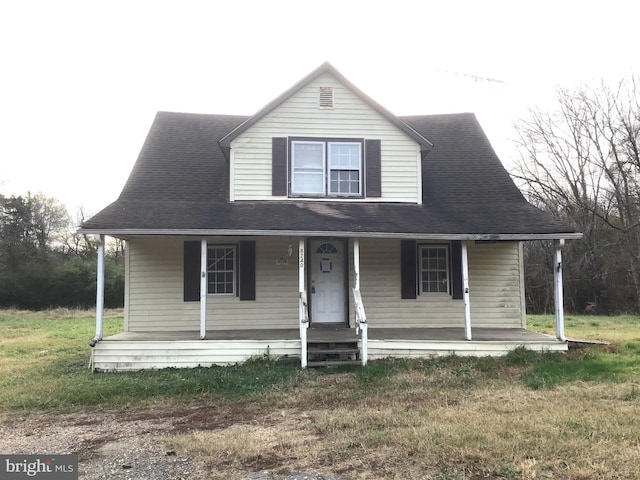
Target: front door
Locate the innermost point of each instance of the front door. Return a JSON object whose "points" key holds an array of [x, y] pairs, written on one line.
{"points": [[328, 286]]}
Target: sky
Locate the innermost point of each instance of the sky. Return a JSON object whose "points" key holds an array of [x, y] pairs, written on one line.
{"points": [[81, 81]]}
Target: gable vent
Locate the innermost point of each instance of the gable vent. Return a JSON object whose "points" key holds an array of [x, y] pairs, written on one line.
{"points": [[326, 97]]}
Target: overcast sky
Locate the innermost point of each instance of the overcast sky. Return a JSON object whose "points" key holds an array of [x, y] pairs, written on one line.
{"points": [[81, 81]]}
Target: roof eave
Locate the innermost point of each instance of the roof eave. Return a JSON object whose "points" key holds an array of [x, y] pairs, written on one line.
{"points": [[130, 232]]}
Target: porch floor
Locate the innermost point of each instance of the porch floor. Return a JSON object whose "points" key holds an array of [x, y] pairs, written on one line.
{"points": [[335, 334]]}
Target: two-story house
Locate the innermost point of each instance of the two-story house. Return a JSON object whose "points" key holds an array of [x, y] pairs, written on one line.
{"points": [[323, 228]]}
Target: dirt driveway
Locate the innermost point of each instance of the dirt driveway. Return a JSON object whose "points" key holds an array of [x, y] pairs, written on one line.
{"points": [[123, 445]]}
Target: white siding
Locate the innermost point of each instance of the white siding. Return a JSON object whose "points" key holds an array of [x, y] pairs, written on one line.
{"points": [[155, 287], [379, 349], [494, 275], [119, 356], [351, 117]]}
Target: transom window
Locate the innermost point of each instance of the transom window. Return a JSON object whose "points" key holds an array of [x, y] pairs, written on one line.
{"points": [[326, 168], [434, 269], [327, 248], [221, 270]]}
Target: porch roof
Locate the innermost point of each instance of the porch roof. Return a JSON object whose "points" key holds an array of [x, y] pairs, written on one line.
{"points": [[180, 186]]}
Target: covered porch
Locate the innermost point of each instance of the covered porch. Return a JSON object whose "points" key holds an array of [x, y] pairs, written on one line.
{"points": [[134, 350], [184, 349]]}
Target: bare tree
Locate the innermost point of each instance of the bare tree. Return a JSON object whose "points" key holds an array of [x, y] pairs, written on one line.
{"points": [[581, 162]]}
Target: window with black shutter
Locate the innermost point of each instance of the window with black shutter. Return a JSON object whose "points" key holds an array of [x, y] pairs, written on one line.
{"points": [[230, 270]]}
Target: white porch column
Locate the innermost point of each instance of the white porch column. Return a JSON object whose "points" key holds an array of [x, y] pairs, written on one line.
{"points": [[203, 289], [304, 324], [356, 263], [361, 320], [99, 290], [559, 295], [465, 292]]}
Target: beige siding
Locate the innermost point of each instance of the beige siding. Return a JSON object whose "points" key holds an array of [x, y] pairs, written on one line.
{"points": [[350, 118], [494, 285], [380, 287], [494, 273], [155, 289]]}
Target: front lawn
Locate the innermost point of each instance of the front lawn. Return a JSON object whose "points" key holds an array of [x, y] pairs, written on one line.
{"points": [[526, 415]]}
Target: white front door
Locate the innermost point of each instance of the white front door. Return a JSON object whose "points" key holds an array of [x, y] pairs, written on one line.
{"points": [[328, 287]]}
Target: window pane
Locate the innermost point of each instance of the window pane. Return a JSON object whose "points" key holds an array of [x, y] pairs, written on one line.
{"points": [[345, 168], [307, 168], [344, 156], [308, 183], [344, 182], [307, 155], [221, 270], [434, 269]]}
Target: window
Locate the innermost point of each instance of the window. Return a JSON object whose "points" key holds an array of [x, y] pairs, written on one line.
{"points": [[344, 168], [434, 269], [307, 167], [326, 168], [221, 270], [326, 248]]}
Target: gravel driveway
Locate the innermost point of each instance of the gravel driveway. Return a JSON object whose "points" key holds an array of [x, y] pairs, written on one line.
{"points": [[119, 446]]}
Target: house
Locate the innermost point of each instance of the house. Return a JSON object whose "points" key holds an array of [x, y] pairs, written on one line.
{"points": [[323, 228]]}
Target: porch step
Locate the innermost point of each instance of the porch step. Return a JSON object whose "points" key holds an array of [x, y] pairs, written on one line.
{"points": [[323, 354], [333, 351], [332, 363]]}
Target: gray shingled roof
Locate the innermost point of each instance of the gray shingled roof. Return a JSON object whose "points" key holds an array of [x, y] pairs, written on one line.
{"points": [[180, 185]]}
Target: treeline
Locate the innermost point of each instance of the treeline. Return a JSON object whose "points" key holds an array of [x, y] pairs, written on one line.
{"points": [[44, 263], [581, 162]]}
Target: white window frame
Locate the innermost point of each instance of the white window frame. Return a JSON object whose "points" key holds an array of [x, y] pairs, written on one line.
{"points": [[293, 168], [210, 271], [326, 168], [330, 169], [421, 270]]}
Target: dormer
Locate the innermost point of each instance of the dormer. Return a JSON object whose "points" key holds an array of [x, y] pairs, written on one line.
{"points": [[325, 140]]}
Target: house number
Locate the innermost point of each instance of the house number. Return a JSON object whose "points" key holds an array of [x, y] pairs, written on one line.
{"points": [[301, 258]]}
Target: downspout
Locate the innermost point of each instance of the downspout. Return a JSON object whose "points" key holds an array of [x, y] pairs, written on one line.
{"points": [[559, 295], [99, 291]]}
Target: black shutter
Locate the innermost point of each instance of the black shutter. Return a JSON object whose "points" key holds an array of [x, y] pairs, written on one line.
{"points": [[372, 161], [456, 269], [191, 271], [408, 269], [247, 269], [279, 166]]}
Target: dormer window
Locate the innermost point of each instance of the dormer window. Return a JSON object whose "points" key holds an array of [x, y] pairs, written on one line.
{"points": [[325, 97], [326, 168]]}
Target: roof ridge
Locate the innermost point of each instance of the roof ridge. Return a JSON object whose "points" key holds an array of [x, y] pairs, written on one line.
{"points": [[326, 67]]}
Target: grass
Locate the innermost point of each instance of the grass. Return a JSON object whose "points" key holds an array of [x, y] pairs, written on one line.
{"points": [[526, 415], [589, 327]]}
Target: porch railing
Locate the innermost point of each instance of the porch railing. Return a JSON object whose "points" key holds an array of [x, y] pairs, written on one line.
{"points": [[304, 325], [361, 325]]}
